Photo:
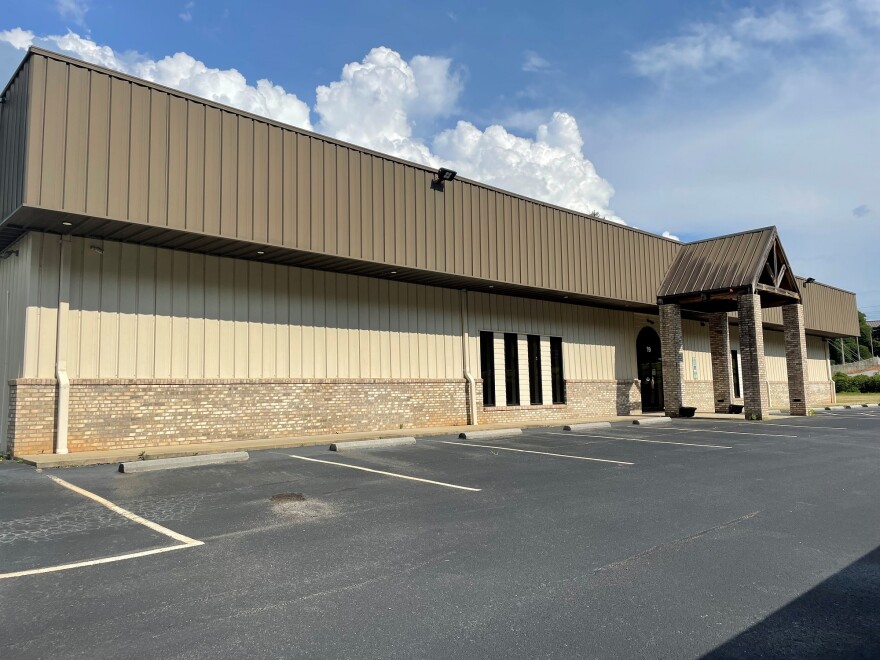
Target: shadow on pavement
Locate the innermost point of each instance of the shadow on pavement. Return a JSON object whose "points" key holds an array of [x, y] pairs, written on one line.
{"points": [[839, 618]]}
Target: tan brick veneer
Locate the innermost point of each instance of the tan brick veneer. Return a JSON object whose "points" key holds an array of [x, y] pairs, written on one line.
{"points": [[119, 414]]}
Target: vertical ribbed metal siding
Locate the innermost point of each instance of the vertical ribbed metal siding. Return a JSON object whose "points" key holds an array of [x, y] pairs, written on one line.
{"points": [[13, 135], [115, 147], [16, 277], [826, 309], [142, 312]]}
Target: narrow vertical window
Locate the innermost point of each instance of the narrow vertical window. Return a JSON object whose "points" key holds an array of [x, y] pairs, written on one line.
{"points": [[734, 363], [511, 369], [557, 373], [487, 367], [535, 394]]}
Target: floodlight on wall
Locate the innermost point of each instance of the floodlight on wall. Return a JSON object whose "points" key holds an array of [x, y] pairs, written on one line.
{"points": [[809, 280], [8, 253], [444, 174], [96, 248]]}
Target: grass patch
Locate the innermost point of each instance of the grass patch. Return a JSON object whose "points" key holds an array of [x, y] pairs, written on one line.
{"points": [[847, 398]]}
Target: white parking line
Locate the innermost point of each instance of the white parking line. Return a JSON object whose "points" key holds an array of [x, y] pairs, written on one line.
{"points": [[387, 474], [791, 426], [653, 442], [767, 435], [95, 562], [529, 451], [185, 541], [125, 513]]}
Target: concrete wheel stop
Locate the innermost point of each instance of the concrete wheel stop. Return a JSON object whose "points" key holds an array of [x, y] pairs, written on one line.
{"points": [[156, 464], [586, 426], [373, 443], [650, 421], [489, 434]]}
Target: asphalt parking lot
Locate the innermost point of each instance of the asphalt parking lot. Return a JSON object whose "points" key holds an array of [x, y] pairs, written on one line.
{"points": [[697, 538]]}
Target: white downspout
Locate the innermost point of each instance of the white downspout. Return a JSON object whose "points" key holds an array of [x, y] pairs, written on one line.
{"points": [[63, 381], [472, 386]]}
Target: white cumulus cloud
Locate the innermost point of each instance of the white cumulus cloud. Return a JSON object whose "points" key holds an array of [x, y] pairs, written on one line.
{"points": [[18, 38], [551, 166], [374, 101]]}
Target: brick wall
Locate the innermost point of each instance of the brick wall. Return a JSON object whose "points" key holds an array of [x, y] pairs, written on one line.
{"points": [[585, 398], [699, 394], [120, 414], [114, 414], [31, 427], [818, 393], [671, 350], [751, 343]]}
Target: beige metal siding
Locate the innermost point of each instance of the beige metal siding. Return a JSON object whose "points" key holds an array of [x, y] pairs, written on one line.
{"points": [[826, 310], [144, 312], [16, 277], [695, 340], [114, 147], [774, 352], [13, 135], [598, 344]]}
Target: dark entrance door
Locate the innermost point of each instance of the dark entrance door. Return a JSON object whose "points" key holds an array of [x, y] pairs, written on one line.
{"points": [[650, 369]]}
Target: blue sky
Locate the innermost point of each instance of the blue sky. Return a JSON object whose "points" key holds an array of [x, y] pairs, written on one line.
{"points": [[693, 118]]}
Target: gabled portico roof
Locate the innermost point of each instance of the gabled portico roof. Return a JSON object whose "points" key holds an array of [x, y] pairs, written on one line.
{"points": [[708, 275]]}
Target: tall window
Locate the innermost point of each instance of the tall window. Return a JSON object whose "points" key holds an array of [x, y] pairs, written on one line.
{"points": [[487, 367], [734, 363], [557, 373], [536, 396], [511, 369]]}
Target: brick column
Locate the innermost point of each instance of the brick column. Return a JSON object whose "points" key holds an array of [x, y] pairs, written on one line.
{"points": [[751, 342], [722, 375], [795, 357], [672, 358]]}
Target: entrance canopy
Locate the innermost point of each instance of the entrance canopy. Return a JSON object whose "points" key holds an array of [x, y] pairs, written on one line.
{"points": [[707, 276]]}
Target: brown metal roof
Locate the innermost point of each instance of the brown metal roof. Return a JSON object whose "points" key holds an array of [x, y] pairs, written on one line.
{"points": [[728, 262]]}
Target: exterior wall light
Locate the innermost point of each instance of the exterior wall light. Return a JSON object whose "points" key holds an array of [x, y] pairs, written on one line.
{"points": [[444, 174], [809, 280]]}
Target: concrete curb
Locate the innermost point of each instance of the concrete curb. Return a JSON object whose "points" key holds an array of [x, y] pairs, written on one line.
{"points": [[488, 435], [650, 421], [156, 464], [586, 427], [354, 445], [777, 412], [836, 407]]}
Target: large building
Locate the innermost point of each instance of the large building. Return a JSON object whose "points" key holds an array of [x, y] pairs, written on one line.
{"points": [[177, 271]]}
